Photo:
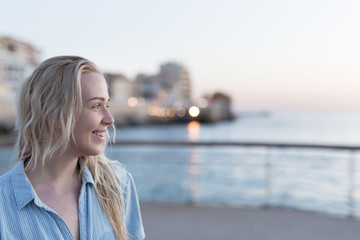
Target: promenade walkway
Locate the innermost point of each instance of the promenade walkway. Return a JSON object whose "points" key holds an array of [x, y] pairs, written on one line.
{"points": [[175, 222]]}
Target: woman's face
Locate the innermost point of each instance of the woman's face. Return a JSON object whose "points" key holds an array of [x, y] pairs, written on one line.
{"points": [[95, 117]]}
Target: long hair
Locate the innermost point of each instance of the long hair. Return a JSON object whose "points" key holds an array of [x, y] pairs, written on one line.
{"points": [[51, 99]]}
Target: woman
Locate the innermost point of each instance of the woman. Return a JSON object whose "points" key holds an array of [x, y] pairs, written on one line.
{"points": [[63, 186]]}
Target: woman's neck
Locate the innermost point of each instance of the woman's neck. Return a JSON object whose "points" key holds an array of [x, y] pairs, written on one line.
{"points": [[58, 173]]}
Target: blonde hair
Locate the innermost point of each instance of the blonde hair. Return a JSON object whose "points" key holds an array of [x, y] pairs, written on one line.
{"points": [[51, 99]]}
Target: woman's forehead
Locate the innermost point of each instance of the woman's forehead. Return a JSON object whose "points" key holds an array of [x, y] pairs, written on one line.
{"points": [[93, 84]]}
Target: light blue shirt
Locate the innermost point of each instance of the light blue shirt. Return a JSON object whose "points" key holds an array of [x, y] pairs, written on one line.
{"points": [[24, 216]]}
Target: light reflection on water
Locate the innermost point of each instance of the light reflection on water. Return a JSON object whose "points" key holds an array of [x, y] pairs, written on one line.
{"points": [[193, 129]]}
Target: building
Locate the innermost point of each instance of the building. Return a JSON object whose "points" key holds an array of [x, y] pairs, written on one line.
{"points": [[125, 107], [17, 61], [120, 87], [215, 107], [171, 84]]}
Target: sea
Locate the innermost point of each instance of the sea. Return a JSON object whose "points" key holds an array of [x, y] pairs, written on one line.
{"points": [[325, 181]]}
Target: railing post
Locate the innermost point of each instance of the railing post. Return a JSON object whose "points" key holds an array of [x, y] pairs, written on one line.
{"points": [[268, 178], [351, 181]]}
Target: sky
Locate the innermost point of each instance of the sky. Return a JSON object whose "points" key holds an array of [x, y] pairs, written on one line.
{"points": [[265, 54]]}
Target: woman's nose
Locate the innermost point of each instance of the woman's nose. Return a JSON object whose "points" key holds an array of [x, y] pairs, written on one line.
{"points": [[108, 118]]}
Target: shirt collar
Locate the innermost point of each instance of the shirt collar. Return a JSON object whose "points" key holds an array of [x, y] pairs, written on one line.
{"points": [[23, 190], [87, 176]]}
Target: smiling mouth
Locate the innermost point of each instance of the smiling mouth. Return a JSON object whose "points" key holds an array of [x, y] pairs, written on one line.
{"points": [[99, 134]]}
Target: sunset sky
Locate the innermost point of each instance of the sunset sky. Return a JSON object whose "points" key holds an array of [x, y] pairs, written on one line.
{"points": [[266, 54]]}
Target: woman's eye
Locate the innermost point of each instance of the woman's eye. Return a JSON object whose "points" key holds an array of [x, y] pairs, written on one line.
{"points": [[97, 106]]}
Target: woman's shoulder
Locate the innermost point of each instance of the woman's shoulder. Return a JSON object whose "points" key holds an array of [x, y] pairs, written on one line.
{"points": [[123, 176], [132, 208]]}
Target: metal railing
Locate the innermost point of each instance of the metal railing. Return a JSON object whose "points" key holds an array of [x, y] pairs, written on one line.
{"points": [[268, 162]]}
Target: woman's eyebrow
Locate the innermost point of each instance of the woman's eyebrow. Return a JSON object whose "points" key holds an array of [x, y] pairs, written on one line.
{"points": [[98, 98]]}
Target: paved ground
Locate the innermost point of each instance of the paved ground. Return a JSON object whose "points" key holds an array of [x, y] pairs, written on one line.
{"points": [[175, 222]]}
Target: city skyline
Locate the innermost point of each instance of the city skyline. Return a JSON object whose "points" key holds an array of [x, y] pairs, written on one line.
{"points": [[267, 55]]}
